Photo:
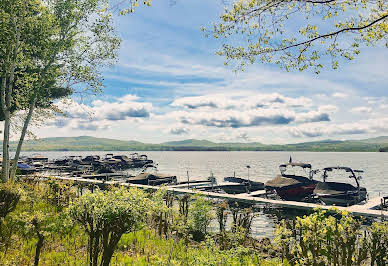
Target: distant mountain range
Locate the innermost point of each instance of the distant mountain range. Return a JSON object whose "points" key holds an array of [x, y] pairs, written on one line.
{"points": [[86, 143]]}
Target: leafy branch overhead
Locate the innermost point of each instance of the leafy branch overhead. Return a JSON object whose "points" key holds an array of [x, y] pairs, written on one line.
{"points": [[300, 34]]}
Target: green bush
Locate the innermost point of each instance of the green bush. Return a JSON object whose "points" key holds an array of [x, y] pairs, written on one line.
{"points": [[106, 216], [200, 216], [319, 239], [9, 197]]}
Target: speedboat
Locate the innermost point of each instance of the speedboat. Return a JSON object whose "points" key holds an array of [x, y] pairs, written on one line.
{"points": [[341, 194], [293, 186], [237, 185]]}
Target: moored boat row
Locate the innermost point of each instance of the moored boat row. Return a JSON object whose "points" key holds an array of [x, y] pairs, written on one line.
{"points": [[288, 185], [305, 188]]}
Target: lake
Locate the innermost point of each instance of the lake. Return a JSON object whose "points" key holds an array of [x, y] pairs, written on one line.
{"points": [[264, 166]]}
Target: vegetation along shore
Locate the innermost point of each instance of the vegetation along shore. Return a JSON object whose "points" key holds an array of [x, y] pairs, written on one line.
{"points": [[58, 223]]}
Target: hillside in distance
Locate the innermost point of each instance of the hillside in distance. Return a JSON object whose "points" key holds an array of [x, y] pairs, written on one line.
{"points": [[87, 143]]}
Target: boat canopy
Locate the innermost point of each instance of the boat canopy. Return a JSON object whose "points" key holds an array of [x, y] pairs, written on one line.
{"points": [[347, 169], [303, 165]]}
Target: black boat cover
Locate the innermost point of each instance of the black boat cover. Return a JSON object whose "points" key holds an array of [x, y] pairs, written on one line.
{"points": [[333, 188], [149, 176]]}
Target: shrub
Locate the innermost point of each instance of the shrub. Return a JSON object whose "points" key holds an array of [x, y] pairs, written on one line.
{"points": [[319, 239], [9, 198], [200, 216], [378, 244], [106, 216]]}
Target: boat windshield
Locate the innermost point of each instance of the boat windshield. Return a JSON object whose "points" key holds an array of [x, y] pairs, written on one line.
{"points": [[342, 175], [296, 169]]}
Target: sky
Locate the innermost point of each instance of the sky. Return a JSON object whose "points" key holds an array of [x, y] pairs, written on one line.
{"points": [[170, 85]]}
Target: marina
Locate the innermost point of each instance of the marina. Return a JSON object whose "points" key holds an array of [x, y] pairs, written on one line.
{"points": [[142, 171], [370, 209]]}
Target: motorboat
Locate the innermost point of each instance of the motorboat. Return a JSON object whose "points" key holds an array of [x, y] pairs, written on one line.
{"points": [[338, 193], [293, 186], [149, 176], [237, 185], [38, 158], [152, 179], [26, 169]]}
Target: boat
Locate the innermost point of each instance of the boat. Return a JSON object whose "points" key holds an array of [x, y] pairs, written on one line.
{"points": [[292, 186], [26, 169], [238, 185], [338, 193], [152, 179], [149, 176], [38, 158]]}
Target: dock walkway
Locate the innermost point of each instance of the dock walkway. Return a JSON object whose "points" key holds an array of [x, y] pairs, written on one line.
{"points": [[368, 209]]}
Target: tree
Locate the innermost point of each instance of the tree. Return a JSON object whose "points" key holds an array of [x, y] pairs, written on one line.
{"points": [[200, 216], [64, 45], [106, 216], [300, 34]]}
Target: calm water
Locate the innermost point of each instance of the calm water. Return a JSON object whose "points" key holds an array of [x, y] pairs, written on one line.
{"points": [[264, 166]]}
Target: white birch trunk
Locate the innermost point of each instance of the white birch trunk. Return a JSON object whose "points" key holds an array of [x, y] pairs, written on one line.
{"points": [[22, 136]]}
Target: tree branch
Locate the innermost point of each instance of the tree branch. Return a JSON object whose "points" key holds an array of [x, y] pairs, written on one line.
{"points": [[331, 34]]}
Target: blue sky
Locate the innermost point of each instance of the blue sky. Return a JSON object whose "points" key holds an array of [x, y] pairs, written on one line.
{"points": [[169, 85]]}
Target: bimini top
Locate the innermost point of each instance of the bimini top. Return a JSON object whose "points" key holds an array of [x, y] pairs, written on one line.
{"points": [[303, 165], [347, 169]]}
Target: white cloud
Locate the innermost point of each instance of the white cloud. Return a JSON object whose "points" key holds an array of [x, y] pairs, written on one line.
{"points": [[179, 130], [370, 126], [339, 95], [100, 114], [361, 110]]}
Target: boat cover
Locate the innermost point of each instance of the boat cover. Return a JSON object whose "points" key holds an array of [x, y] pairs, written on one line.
{"points": [[333, 188], [282, 181], [149, 176]]}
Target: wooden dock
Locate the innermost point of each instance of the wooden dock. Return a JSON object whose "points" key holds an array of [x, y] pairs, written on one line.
{"points": [[369, 209]]}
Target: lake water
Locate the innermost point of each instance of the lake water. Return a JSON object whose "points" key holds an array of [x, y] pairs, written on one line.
{"points": [[264, 166]]}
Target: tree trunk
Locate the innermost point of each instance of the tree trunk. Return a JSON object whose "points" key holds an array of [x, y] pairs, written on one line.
{"points": [[39, 244], [109, 249], [94, 248], [23, 134], [6, 96], [5, 165]]}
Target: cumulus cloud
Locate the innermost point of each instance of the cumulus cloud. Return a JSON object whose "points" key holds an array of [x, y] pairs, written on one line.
{"points": [[370, 126], [250, 110], [179, 130], [100, 114], [235, 119], [339, 95], [361, 110], [249, 101], [313, 116]]}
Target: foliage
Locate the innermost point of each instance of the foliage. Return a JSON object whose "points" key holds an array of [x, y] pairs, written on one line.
{"points": [[9, 197], [242, 219], [40, 229], [51, 49], [59, 193], [299, 34], [200, 216], [378, 243], [319, 239], [35, 218], [106, 216], [132, 5]]}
